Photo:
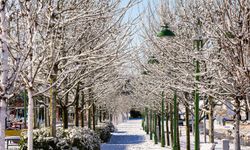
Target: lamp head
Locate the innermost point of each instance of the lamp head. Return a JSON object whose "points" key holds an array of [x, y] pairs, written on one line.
{"points": [[165, 32]]}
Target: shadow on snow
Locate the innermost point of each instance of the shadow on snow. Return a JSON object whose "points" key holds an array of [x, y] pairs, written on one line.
{"points": [[126, 139], [120, 141]]}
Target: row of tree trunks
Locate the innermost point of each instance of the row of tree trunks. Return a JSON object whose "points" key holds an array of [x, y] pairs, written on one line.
{"points": [[155, 122]]}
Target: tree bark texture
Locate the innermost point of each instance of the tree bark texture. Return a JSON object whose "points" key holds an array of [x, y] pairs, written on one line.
{"points": [[30, 119], [211, 119], [237, 126]]}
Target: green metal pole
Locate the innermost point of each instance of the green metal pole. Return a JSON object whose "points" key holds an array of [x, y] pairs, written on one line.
{"points": [[162, 122], [151, 125], [155, 128], [142, 124], [147, 121], [175, 146], [197, 98], [171, 124]]}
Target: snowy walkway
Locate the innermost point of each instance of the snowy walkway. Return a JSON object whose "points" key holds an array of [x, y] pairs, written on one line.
{"points": [[130, 136]]}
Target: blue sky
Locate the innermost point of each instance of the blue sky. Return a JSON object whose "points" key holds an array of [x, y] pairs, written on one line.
{"points": [[134, 12], [143, 3]]}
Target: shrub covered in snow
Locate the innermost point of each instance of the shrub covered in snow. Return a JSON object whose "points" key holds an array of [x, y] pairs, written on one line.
{"points": [[72, 138], [104, 131], [110, 126]]}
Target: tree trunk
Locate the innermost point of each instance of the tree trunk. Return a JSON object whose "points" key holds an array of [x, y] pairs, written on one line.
{"points": [[247, 113], [237, 126], [104, 115], [25, 108], [46, 109], [167, 128], [30, 119], [89, 117], [110, 117], [171, 125], [211, 119], [2, 123], [90, 109], [151, 125], [65, 114], [77, 105], [82, 118], [45, 116], [100, 115], [159, 126], [187, 129], [83, 110], [155, 128], [93, 115], [96, 116], [4, 72], [65, 117], [35, 115], [246, 108], [53, 94]]}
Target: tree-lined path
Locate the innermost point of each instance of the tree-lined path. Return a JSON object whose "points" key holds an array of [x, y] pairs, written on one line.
{"points": [[130, 136], [69, 68]]}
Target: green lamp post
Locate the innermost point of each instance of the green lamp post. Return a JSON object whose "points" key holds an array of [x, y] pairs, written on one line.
{"points": [[175, 123], [198, 45], [166, 32], [162, 121]]}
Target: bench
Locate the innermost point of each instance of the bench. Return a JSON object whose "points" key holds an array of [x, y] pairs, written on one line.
{"points": [[12, 141]]}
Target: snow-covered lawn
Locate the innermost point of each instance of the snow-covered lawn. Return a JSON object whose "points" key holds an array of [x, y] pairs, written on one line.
{"points": [[130, 136]]}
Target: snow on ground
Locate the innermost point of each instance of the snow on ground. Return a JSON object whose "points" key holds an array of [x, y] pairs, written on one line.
{"points": [[130, 136]]}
